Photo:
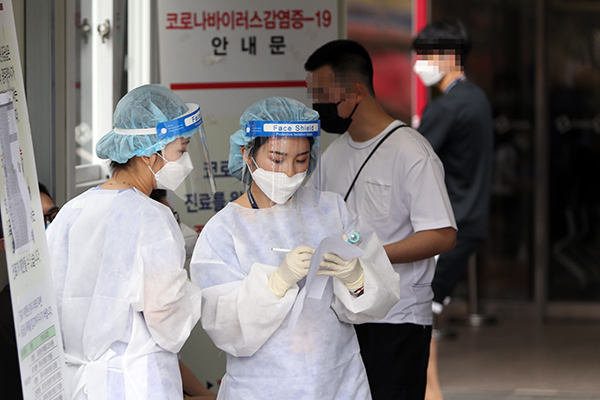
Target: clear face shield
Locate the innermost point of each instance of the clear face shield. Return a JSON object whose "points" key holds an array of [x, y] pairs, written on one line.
{"points": [[185, 159], [183, 156], [281, 157]]}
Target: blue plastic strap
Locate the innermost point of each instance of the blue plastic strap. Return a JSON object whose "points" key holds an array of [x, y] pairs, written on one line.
{"points": [[185, 123], [177, 127], [283, 128]]}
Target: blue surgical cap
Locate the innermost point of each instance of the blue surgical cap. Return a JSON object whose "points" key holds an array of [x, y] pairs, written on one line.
{"points": [[142, 108], [269, 109]]}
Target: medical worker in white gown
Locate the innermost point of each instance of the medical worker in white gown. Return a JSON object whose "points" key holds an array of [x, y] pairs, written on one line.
{"points": [[124, 301], [249, 289]]}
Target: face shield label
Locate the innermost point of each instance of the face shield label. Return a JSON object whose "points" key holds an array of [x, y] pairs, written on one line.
{"points": [[283, 128]]}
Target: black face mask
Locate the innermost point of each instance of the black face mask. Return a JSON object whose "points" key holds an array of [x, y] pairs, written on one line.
{"points": [[330, 119]]}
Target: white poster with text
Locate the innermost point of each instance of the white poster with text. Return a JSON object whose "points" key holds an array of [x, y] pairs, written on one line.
{"points": [[38, 336], [226, 55]]}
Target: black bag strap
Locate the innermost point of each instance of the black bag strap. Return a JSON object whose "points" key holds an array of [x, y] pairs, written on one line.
{"points": [[372, 152]]}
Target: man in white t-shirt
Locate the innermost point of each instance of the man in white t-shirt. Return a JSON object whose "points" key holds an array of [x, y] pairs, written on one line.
{"points": [[400, 191]]}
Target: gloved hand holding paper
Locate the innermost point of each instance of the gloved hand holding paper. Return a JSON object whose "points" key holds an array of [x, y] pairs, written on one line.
{"points": [[348, 271], [315, 284]]}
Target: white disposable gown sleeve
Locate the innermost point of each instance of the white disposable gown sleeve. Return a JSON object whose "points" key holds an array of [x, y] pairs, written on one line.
{"points": [[189, 237], [382, 283], [171, 303], [239, 312]]}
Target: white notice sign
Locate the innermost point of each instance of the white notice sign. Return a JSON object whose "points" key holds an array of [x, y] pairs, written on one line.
{"points": [[38, 336], [17, 196], [226, 55]]}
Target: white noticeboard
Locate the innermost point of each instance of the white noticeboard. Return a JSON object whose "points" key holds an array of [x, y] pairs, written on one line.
{"points": [[226, 55], [39, 341]]}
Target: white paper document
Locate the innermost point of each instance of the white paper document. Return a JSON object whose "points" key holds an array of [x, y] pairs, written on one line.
{"points": [[315, 284]]}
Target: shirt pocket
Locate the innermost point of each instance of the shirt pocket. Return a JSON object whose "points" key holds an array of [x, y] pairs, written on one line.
{"points": [[378, 194]]}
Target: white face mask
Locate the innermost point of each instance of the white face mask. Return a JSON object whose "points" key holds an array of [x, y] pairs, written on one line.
{"points": [[277, 186], [428, 71], [173, 173]]}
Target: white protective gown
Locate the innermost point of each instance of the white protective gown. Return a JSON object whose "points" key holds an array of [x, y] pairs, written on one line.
{"points": [[320, 358], [124, 302]]}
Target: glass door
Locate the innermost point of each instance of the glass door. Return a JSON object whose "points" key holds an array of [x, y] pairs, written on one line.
{"points": [[96, 80], [573, 54], [501, 62]]}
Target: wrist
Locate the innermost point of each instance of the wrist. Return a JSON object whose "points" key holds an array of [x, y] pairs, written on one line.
{"points": [[358, 283], [277, 285]]}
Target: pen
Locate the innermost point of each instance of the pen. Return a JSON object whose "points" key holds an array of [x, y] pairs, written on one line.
{"points": [[280, 249]]}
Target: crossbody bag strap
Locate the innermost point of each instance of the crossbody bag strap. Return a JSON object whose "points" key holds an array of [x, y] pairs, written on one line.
{"points": [[372, 152]]}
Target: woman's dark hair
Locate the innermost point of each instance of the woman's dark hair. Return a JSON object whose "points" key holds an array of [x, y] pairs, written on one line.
{"points": [[158, 195], [254, 145], [44, 189], [116, 167]]}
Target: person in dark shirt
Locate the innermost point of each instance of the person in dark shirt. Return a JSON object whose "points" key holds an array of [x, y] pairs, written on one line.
{"points": [[458, 124], [10, 377]]}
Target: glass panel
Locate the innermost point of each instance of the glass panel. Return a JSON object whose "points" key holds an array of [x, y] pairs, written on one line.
{"points": [[573, 45], [384, 29], [99, 74], [501, 62], [83, 86]]}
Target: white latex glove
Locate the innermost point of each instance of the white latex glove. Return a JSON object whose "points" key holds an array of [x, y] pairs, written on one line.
{"points": [[348, 271], [293, 268]]}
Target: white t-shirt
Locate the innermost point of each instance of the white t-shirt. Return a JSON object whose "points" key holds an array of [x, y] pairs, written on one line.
{"points": [[400, 191]]}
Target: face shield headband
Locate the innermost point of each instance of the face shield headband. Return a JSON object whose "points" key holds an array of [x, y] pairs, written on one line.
{"points": [[169, 129], [283, 128]]}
